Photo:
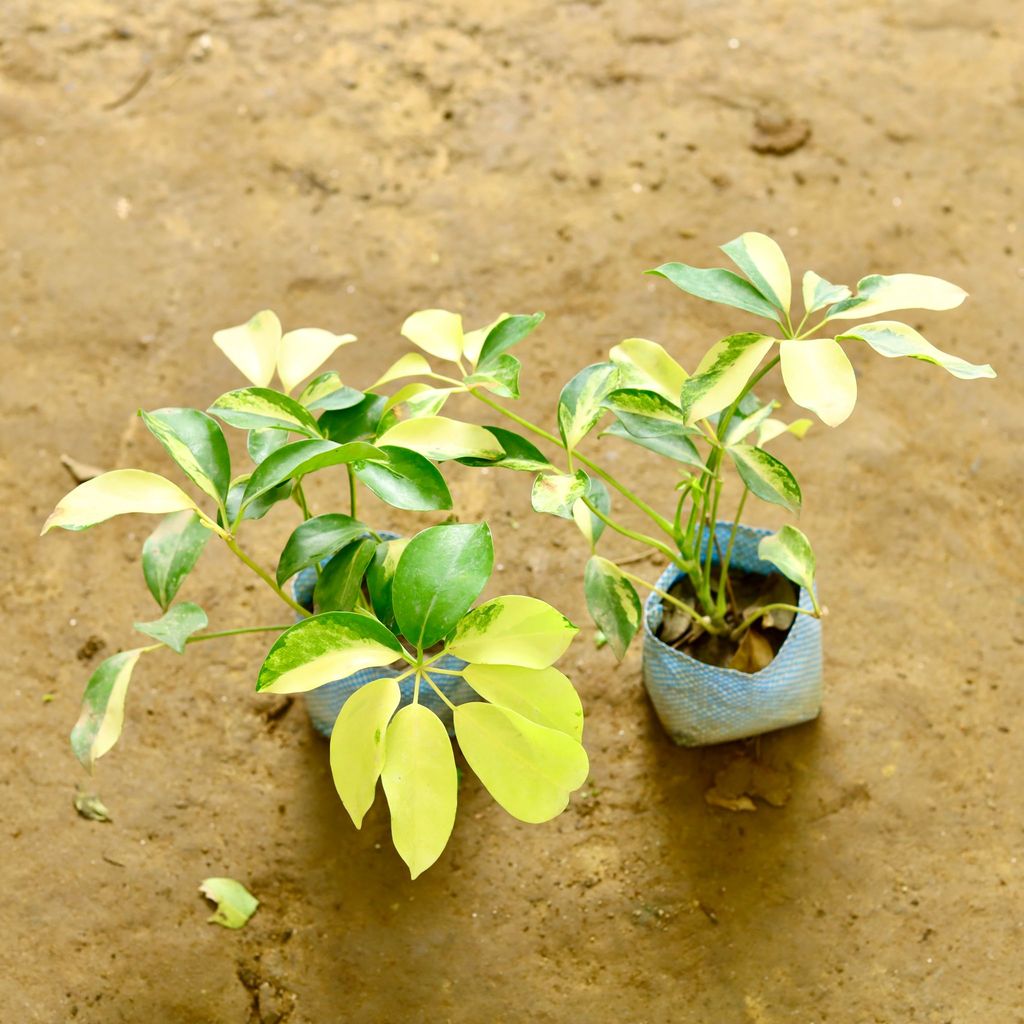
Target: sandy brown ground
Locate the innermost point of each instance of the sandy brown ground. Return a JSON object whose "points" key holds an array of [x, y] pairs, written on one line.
{"points": [[168, 168]]}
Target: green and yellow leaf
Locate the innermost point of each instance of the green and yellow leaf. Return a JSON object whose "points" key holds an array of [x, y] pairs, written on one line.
{"points": [[718, 286], [646, 365], [767, 477], [440, 438], [102, 717], [579, 404], [512, 630], [197, 445], [175, 627], [761, 259], [819, 293], [357, 744], [722, 374], [893, 339], [437, 332], [613, 603], [818, 376], [557, 493], [235, 904], [881, 293], [412, 364], [543, 695], [303, 351], [253, 346], [170, 553], [790, 552], [252, 408]]}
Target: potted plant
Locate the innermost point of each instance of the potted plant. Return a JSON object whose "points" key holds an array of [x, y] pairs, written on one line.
{"points": [[731, 629], [388, 644]]}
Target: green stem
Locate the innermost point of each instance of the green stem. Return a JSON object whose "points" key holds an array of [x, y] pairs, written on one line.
{"points": [[234, 632], [635, 499], [352, 491], [437, 690], [640, 538], [723, 577], [665, 596], [300, 500], [762, 611], [265, 576]]}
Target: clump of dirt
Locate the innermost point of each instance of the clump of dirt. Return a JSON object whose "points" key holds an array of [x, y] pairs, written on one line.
{"points": [[747, 592]]}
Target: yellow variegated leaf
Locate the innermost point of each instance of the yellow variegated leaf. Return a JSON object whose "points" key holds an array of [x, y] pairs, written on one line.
{"points": [[892, 339], [761, 259], [646, 365], [544, 696], [436, 331], [819, 293], [304, 350], [412, 364], [772, 428], [529, 769], [882, 293], [474, 340], [357, 744], [512, 630], [405, 392], [819, 377], [421, 784], [253, 346], [440, 438], [722, 374], [117, 493], [102, 717]]}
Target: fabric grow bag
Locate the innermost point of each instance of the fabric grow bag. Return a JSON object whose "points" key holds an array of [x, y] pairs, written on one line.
{"points": [[325, 702], [700, 704]]}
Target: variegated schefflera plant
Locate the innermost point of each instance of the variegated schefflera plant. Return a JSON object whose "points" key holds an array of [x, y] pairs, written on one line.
{"points": [[701, 422], [376, 602]]}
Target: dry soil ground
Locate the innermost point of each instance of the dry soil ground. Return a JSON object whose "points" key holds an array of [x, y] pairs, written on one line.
{"points": [[170, 167]]}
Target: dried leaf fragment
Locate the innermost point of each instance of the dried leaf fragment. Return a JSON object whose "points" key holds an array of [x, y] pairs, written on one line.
{"points": [[235, 904]]}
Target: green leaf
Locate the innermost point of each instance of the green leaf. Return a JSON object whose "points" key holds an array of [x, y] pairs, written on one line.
{"points": [[357, 744], [722, 374], [544, 696], [501, 377], [440, 438], [529, 769], [506, 333], [439, 576], [102, 716], [590, 525], [676, 446], [557, 493], [718, 286], [790, 552], [579, 404], [520, 454], [512, 630], [176, 625], [171, 552], [260, 506], [380, 579], [324, 647], [117, 493], [645, 413], [316, 539], [296, 460], [613, 602], [252, 408], [761, 259], [819, 293], [407, 481], [421, 784], [892, 339], [646, 365], [354, 423], [327, 392], [235, 904], [767, 478], [881, 293], [264, 442], [197, 445], [341, 582]]}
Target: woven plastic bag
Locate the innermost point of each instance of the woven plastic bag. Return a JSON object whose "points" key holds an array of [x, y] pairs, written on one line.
{"points": [[700, 704], [325, 702]]}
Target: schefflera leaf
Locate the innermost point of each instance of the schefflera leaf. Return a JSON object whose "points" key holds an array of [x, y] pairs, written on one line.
{"points": [[893, 339], [543, 695], [196, 443], [421, 785], [357, 744], [722, 374], [325, 647], [790, 552], [883, 293], [380, 579], [718, 285], [529, 769], [646, 365], [557, 493], [767, 477], [440, 438], [339, 586], [819, 376], [613, 603], [579, 404], [253, 408], [762, 260], [117, 493], [512, 630], [102, 717], [315, 540], [170, 553], [407, 480], [439, 575], [175, 627]]}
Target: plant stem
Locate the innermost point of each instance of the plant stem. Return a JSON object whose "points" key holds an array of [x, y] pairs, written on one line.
{"points": [[352, 491], [665, 596], [640, 538], [265, 576], [635, 499], [765, 608], [300, 500], [437, 690], [234, 632], [723, 579]]}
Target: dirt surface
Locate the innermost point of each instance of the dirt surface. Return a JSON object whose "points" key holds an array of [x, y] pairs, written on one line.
{"points": [[170, 167]]}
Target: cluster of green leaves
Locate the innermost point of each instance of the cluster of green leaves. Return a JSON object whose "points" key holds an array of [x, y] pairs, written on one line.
{"points": [[522, 739], [376, 601]]}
